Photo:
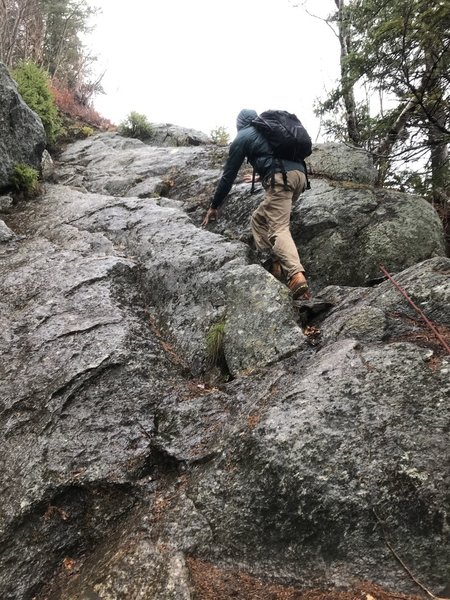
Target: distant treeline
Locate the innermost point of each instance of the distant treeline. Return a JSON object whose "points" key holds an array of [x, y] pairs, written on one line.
{"points": [[41, 44]]}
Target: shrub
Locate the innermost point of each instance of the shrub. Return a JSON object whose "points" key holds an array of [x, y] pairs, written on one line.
{"points": [[67, 104], [136, 126], [86, 131], [34, 87], [25, 179], [220, 136], [214, 344]]}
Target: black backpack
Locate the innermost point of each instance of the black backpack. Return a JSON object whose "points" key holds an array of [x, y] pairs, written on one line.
{"points": [[287, 137]]}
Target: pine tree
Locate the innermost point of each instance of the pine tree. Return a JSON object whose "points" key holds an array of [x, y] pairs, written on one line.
{"points": [[397, 52]]}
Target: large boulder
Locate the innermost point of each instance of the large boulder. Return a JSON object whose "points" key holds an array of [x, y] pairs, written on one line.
{"points": [[341, 162], [337, 464], [166, 134], [380, 313], [22, 135], [347, 451], [344, 233]]}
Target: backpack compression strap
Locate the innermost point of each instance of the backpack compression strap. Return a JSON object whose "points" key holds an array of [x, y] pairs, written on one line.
{"points": [[272, 176], [283, 172], [272, 179]]}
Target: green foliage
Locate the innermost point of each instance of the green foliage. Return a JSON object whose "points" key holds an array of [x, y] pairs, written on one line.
{"points": [[220, 136], [25, 179], [214, 344], [33, 86], [137, 126], [396, 60], [86, 131], [410, 182]]}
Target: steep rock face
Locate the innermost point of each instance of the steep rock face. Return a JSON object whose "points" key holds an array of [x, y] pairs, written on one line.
{"points": [[81, 377], [22, 138], [354, 443], [83, 369], [191, 276], [123, 453], [314, 471], [344, 231]]}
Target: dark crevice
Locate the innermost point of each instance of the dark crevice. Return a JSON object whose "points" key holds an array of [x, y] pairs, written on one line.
{"points": [[159, 463], [85, 282], [80, 330], [121, 203], [69, 390], [68, 522]]}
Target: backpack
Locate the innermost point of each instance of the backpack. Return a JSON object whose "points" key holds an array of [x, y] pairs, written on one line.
{"points": [[287, 137]]}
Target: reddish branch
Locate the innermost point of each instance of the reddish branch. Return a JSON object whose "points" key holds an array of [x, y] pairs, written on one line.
{"points": [[417, 309]]}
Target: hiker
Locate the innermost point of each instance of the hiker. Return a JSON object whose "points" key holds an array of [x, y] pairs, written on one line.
{"points": [[270, 221]]}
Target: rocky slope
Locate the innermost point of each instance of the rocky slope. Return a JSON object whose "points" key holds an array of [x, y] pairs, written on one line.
{"points": [[314, 456]]}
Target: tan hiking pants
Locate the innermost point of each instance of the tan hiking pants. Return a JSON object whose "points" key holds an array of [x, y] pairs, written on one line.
{"points": [[270, 221]]}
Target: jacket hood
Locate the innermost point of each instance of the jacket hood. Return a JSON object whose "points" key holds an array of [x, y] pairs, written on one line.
{"points": [[245, 118]]}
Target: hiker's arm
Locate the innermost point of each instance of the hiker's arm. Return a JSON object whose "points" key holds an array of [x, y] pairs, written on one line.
{"points": [[236, 157]]}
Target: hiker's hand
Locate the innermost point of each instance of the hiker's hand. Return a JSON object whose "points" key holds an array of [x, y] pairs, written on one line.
{"points": [[248, 178], [211, 215]]}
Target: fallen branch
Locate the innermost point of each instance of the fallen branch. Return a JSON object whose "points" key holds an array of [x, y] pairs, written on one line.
{"points": [[416, 581], [405, 567], [418, 310]]}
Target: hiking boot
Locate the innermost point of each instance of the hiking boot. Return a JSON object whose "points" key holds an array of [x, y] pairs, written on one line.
{"points": [[299, 287]]}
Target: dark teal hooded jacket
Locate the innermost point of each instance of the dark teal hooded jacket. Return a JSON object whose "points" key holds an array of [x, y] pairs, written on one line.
{"points": [[251, 144]]}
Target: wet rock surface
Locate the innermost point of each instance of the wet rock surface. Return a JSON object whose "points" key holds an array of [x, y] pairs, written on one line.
{"points": [[344, 228], [128, 457], [351, 459]]}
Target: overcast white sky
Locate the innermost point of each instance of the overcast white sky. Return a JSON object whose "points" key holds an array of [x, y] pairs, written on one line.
{"points": [[196, 63]]}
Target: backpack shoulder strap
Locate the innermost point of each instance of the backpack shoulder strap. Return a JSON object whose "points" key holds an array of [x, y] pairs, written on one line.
{"points": [[252, 191]]}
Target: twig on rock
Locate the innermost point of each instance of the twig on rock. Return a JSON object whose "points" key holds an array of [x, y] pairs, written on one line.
{"points": [[416, 581], [405, 567], [418, 310]]}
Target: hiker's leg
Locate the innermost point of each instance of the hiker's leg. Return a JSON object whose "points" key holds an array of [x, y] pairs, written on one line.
{"points": [[298, 181], [259, 229], [277, 207]]}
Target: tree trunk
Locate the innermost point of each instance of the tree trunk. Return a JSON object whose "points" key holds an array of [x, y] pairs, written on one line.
{"points": [[384, 148], [437, 140], [346, 83]]}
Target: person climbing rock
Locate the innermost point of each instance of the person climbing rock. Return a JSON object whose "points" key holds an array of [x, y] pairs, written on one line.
{"points": [[283, 184]]}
